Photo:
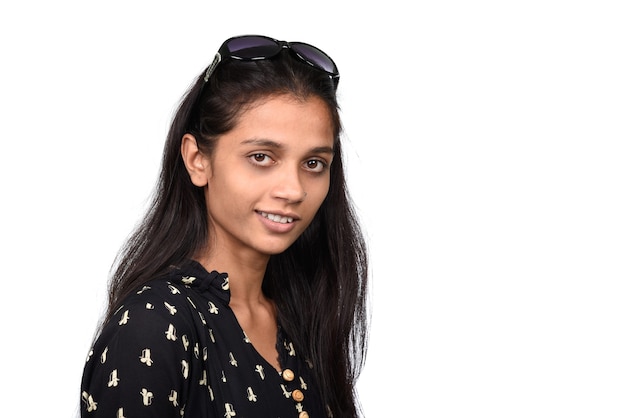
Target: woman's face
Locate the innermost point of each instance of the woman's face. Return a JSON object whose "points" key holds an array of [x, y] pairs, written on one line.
{"points": [[268, 176]]}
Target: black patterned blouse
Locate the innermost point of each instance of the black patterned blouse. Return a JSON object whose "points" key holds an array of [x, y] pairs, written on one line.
{"points": [[175, 349]]}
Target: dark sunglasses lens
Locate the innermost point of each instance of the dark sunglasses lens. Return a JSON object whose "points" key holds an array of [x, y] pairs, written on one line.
{"points": [[252, 47], [315, 56]]}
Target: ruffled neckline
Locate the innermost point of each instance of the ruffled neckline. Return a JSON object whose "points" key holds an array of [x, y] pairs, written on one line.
{"points": [[192, 274]]}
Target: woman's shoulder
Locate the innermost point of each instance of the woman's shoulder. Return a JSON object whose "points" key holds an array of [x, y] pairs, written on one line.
{"points": [[172, 298], [149, 346], [154, 312]]}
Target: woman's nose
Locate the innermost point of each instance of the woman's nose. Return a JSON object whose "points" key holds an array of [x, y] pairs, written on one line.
{"points": [[289, 187]]}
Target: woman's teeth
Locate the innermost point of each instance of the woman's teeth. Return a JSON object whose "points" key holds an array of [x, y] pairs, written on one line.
{"points": [[277, 218]]}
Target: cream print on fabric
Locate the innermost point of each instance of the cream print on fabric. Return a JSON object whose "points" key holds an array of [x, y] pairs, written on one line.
{"points": [[186, 340]]}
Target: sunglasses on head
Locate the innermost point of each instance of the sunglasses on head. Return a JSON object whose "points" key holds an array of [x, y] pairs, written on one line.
{"points": [[258, 47]]}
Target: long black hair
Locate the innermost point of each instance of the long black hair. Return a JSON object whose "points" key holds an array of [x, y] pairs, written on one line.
{"points": [[319, 284]]}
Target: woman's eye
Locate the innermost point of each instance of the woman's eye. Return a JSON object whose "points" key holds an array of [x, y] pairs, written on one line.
{"points": [[316, 166], [260, 159]]}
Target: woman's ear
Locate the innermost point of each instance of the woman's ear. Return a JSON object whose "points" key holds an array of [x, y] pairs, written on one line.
{"points": [[196, 162]]}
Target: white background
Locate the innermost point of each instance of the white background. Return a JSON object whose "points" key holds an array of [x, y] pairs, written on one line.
{"points": [[486, 153]]}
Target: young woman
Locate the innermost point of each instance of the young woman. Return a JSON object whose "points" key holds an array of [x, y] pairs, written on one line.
{"points": [[242, 293]]}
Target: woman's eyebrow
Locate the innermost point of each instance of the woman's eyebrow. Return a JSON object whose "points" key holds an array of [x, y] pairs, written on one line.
{"points": [[323, 150], [273, 144], [262, 143]]}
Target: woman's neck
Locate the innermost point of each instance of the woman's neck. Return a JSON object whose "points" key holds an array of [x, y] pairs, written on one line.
{"points": [[245, 274]]}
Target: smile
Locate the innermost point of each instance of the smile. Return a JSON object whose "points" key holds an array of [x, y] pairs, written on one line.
{"points": [[277, 218]]}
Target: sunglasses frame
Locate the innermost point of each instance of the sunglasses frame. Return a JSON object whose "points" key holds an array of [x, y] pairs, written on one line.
{"points": [[224, 53]]}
